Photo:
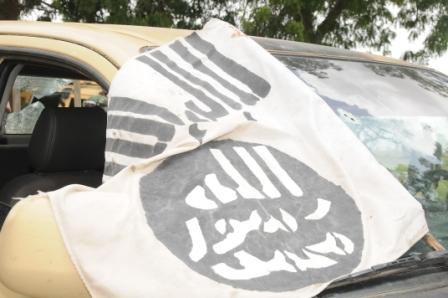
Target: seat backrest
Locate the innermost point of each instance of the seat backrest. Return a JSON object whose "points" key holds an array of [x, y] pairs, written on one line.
{"points": [[66, 147], [68, 139]]}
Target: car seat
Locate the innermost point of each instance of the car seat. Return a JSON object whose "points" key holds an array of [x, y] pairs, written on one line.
{"points": [[66, 147]]}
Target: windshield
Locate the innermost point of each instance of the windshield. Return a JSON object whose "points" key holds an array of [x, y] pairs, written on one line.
{"points": [[400, 114]]}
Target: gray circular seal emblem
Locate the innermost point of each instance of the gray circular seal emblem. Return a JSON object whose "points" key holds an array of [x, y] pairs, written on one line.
{"points": [[252, 217]]}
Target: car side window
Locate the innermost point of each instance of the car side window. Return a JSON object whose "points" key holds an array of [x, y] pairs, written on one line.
{"points": [[31, 94]]}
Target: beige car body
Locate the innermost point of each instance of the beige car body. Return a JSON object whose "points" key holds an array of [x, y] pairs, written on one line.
{"points": [[33, 259]]}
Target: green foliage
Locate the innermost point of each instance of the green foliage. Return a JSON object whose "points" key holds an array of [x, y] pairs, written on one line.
{"points": [[341, 23], [442, 190], [401, 172], [83, 10], [190, 14], [348, 24], [430, 179], [11, 9], [158, 13], [421, 15]]}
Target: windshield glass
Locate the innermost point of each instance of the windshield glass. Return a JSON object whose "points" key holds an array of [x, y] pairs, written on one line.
{"points": [[400, 114]]}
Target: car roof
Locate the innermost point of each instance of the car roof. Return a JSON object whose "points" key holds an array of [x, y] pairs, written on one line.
{"points": [[118, 43], [287, 47]]}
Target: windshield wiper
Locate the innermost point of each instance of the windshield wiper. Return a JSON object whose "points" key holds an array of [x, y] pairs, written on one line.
{"points": [[435, 259]]}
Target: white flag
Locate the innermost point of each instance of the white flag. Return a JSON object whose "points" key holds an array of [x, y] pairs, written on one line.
{"points": [[227, 176]]}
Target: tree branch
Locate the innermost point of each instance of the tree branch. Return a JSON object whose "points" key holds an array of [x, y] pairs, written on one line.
{"points": [[47, 4], [307, 21], [330, 20]]}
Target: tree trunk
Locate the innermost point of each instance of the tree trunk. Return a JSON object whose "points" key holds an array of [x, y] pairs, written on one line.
{"points": [[330, 21], [307, 21], [9, 9]]}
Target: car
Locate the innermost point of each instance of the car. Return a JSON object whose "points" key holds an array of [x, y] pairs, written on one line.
{"points": [[397, 109]]}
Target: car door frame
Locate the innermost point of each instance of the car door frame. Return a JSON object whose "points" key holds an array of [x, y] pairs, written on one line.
{"points": [[55, 52], [16, 50]]}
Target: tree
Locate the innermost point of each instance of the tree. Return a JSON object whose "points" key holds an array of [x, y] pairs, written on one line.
{"points": [[343, 23], [352, 23], [420, 15], [340, 23], [188, 14], [91, 11], [11, 9]]}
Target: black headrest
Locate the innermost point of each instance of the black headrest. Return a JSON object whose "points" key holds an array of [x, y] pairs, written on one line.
{"points": [[68, 139], [50, 101]]}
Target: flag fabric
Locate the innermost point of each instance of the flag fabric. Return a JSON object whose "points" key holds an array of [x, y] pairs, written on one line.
{"points": [[227, 176]]}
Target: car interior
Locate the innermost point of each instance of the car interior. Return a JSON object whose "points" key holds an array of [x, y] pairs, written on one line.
{"points": [[53, 130]]}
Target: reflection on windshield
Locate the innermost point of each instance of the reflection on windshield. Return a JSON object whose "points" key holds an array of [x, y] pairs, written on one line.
{"points": [[311, 66], [400, 114], [428, 80], [416, 152]]}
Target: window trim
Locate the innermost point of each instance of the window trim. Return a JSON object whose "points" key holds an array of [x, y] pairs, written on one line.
{"points": [[38, 56], [14, 56], [12, 76]]}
